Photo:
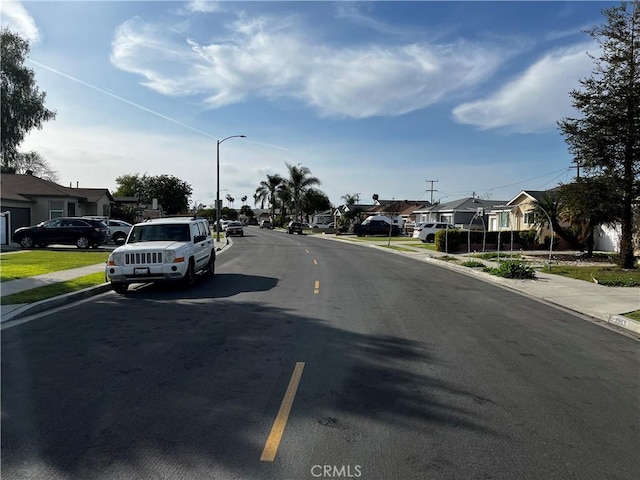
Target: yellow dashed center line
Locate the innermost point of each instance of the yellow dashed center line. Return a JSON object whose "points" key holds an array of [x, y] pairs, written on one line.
{"points": [[316, 287], [315, 262], [271, 447]]}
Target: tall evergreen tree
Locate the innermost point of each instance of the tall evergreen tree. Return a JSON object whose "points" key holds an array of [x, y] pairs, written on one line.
{"points": [[22, 104], [605, 140]]}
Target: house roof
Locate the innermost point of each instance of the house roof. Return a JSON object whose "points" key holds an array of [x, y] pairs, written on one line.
{"points": [[535, 195], [468, 204], [25, 187], [400, 207]]}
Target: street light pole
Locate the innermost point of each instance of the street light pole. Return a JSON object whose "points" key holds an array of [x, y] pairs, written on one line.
{"points": [[218, 182]]}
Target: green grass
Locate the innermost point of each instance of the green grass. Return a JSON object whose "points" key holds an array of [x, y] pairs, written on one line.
{"points": [[493, 255], [609, 276], [633, 315], [473, 264], [399, 248], [30, 263], [55, 289]]}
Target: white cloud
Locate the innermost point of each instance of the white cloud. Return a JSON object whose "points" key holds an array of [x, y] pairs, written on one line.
{"points": [[17, 19], [203, 6], [536, 100], [268, 58]]}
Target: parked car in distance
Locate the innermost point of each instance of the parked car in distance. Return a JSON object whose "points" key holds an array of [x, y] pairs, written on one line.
{"points": [[266, 224], [428, 230], [81, 232], [163, 249], [418, 228], [234, 228], [376, 227], [321, 225], [294, 227], [119, 229]]}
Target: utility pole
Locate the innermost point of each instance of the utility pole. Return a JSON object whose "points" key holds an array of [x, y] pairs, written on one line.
{"points": [[431, 189], [577, 167]]}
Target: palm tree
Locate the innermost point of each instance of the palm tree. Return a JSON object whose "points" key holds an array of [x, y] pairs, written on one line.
{"points": [[268, 190], [285, 196], [244, 200], [351, 199], [300, 180]]}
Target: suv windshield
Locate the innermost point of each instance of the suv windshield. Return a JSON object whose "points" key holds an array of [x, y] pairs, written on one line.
{"points": [[159, 233]]}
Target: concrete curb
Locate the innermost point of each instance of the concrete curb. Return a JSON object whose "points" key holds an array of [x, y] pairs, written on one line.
{"points": [[49, 303]]}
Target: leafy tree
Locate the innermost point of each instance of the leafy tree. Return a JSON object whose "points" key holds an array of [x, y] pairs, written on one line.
{"points": [[549, 208], [37, 164], [300, 180], [605, 140], [587, 203], [22, 104], [267, 192], [228, 213], [130, 186], [246, 210], [172, 193], [314, 201]]}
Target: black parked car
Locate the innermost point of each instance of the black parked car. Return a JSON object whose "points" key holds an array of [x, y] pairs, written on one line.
{"points": [[294, 227], [81, 232], [375, 227]]}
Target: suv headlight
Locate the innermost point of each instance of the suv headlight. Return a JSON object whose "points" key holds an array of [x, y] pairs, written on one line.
{"points": [[116, 259], [170, 256]]}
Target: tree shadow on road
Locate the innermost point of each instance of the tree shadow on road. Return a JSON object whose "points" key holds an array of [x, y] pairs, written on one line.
{"points": [[155, 391]]}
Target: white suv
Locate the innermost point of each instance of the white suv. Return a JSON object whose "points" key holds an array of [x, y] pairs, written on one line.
{"points": [[427, 231], [173, 248]]}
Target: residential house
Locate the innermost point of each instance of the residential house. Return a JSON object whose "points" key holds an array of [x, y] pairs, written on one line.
{"points": [[469, 212], [30, 200], [518, 214], [397, 208]]}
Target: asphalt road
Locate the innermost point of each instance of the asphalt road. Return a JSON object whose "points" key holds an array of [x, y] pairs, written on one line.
{"points": [[403, 370]]}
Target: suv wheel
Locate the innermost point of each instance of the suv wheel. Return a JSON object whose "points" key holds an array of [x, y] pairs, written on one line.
{"points": [[211, 266], [82, 242], [27, 242], [431, 238], [119, 238], [190, 276], [120, 288]]}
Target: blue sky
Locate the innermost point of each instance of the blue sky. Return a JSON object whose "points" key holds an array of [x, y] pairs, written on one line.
{"points": [[373, 97]]}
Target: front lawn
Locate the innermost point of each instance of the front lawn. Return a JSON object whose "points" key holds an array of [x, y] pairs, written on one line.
{"points": [[610, 276], [36, 262], [55, 289]]}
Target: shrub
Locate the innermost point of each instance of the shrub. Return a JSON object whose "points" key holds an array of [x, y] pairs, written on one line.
{"points": [[472, 264], [511, 269], [449, 240]]}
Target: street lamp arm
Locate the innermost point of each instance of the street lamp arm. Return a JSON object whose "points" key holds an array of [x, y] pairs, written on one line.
{"points": [[231, 136]]}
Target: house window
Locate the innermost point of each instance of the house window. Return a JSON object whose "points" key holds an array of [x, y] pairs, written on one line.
{"points": [[56, 208], [504, 219], [529, 218], [71, 209], [106, 210]]}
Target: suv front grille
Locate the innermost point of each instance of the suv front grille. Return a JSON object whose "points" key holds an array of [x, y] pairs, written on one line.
{"points": [[143, 258]]}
